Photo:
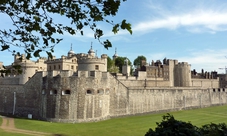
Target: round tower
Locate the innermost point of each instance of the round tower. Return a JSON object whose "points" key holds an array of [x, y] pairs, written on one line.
{"points": [[89, 62], [28, 70], [182, 74]]}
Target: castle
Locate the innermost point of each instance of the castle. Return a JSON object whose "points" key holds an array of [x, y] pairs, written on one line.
{"points": [[78, 88]]}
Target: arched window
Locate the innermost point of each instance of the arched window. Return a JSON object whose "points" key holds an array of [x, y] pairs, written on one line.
{"points": [[107, 91], [100, 91], [90, 91], [66, 92], [53, 92], [43, 91]]}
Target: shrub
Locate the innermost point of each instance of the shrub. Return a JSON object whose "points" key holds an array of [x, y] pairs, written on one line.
{"points": [[172, 127]]}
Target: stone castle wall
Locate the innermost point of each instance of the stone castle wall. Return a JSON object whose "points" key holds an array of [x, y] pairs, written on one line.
{"points": [[22, 100], [9, 80], [145, 83], [167, 99], [205, 83], [92, 96], [7, 98]]}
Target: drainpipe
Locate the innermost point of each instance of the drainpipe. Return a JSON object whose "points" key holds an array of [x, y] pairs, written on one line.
{"points": [[14, 102]]}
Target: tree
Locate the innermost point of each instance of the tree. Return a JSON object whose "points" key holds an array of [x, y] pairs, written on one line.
{"points": [[35, 28], [111, 66], [172, 127], [119, 62], [214, 129], [110, 63], [137, 61]]}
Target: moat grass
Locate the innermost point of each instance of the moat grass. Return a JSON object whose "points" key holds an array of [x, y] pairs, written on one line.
{"points": [[3, 133], [127, 126]]}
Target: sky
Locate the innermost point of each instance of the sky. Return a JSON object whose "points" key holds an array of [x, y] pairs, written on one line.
{"points": [[185, 30]]}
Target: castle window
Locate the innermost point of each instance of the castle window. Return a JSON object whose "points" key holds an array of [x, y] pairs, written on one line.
{"points": [[219, 89], [49, 67], [107, 91], [100, 91], [96, 67], [54, 67], [53, 92], [59, 67], [72, 67], [43, 91], [66, 92], [214, 90], [223, 89], [89, 91]]}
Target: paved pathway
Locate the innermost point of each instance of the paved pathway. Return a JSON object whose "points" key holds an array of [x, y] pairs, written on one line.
{"points": [[8, 125]]}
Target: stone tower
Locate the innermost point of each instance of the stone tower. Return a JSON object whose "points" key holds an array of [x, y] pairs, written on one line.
{"points": [[182, 74], [90, 62], [126, 68], [171, 64]]}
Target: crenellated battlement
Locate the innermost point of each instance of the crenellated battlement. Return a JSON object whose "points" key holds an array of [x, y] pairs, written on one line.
{"points": [[69, 73], [183, 64]]}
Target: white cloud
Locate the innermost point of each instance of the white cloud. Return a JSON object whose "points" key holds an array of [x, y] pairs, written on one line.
{"points": [[207, 59], [196, 21]]}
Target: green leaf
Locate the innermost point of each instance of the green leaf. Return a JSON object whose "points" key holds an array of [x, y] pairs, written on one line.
{"points": [[28, 56], [107, 44], [80, 26], [2, 8], [32, 47], [49, 54], [5, 47], [115, 28], [36, 18], [52, 40], [36, 53], [126, 26]]}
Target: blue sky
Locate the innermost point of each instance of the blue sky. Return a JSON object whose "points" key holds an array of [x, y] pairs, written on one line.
{"points": [[186, 30]]}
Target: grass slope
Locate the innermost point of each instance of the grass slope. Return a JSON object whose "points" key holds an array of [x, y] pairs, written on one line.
{"points": [[127, 126]]}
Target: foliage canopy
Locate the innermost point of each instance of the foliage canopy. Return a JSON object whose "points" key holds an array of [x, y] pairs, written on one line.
{"points": [[172, 127], [137, 61], [35, 28], [120, 61]]}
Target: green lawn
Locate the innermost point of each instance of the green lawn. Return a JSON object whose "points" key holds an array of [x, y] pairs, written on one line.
{"points": [[127, 126], [3, 133]]}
